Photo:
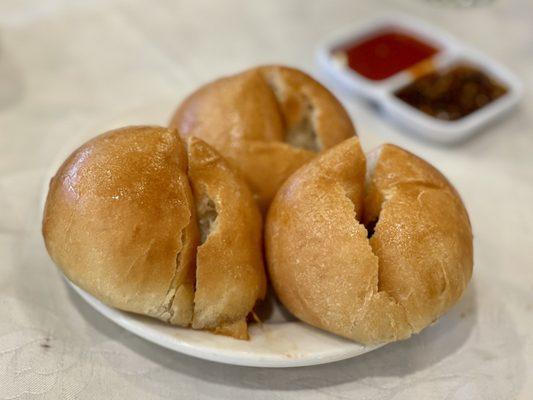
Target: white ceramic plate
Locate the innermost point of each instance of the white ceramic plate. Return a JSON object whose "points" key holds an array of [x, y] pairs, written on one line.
{"points": [[278, 342], [271, 344]]}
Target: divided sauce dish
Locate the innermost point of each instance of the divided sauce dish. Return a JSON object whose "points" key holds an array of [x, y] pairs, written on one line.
{"points": [[449, 53]]}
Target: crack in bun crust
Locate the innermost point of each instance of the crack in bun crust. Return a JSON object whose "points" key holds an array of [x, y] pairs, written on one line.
{"points": [[329, 273], [267, 121], [230, 276]]}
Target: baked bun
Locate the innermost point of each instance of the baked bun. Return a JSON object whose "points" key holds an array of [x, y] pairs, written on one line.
{"points": [[267, 121], [372, 261], [121, 222]]}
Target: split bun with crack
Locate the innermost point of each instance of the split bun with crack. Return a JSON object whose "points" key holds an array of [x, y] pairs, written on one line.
{"points": [[151, 225], [267, 122], [372, 255]]}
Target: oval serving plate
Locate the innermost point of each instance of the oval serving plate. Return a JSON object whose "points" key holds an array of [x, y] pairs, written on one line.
{"points": [[271, 344], [277, 342]]}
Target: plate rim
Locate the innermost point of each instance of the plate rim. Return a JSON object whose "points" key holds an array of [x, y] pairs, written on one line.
{"points": [[150, 334]]}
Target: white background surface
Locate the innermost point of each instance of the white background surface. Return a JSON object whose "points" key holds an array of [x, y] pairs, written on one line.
{"points": [[69, 68]]}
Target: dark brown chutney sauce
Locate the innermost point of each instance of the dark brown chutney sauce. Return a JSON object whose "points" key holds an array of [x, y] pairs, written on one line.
{"points": [[451, 94]]}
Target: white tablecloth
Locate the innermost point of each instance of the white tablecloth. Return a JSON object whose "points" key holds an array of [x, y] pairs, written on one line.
{"points": [[69, 69]]}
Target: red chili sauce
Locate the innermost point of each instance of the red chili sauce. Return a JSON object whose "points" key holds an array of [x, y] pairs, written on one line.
{"points": [[385, 54]]}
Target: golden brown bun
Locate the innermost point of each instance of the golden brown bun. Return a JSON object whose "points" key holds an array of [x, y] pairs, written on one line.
{"points": [[118, 213], [120, 221], [328, 273], [267, 121], [230, 276]]}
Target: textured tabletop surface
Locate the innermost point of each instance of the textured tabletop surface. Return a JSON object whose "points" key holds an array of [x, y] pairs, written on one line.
{"points": [[71, 69]]}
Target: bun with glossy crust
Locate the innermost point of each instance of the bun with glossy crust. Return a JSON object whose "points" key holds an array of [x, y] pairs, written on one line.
{"points": [[121, 222], [375, 283], [267, 121]]}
